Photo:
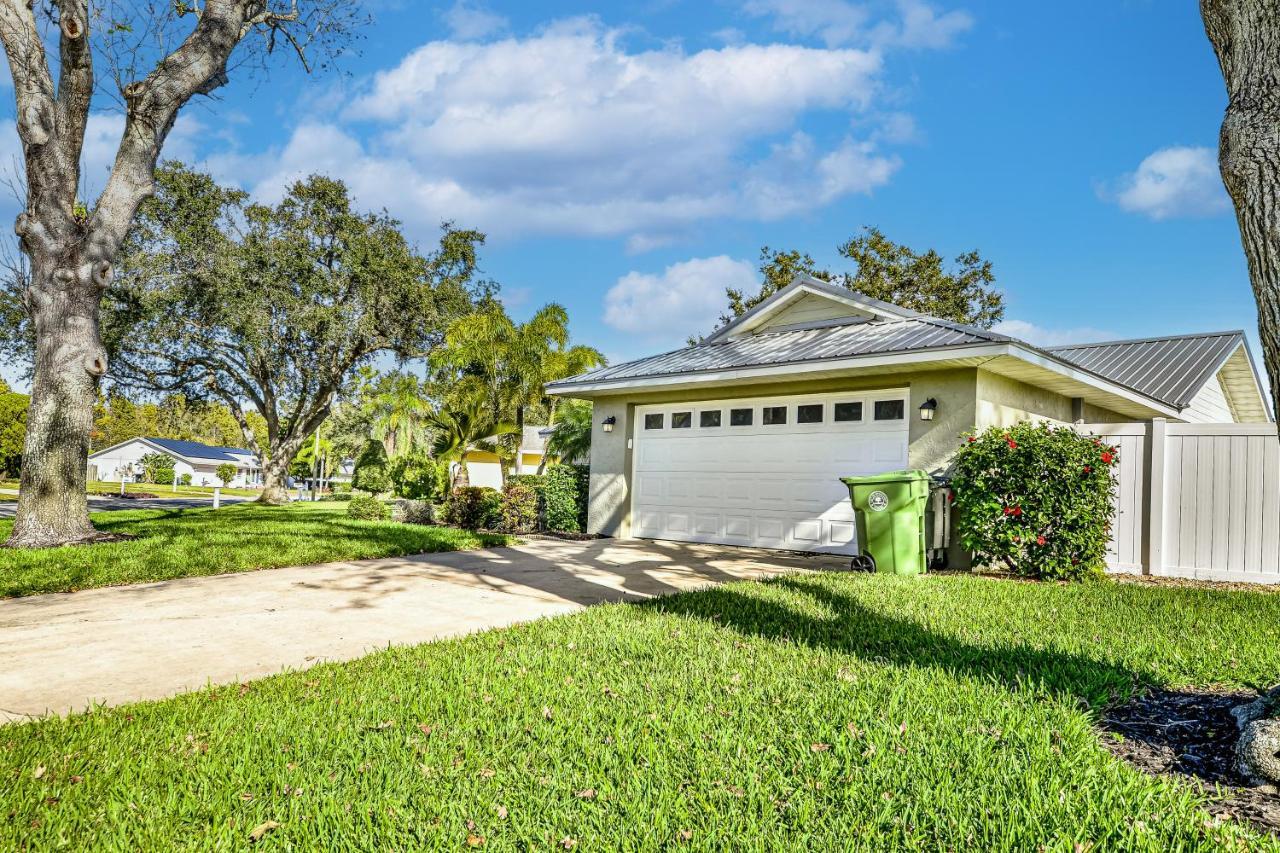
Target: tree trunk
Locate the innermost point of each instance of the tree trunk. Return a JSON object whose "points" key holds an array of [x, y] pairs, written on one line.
{"points": [[63, 301], [273, 474], [1246, 37], [461, 476]]}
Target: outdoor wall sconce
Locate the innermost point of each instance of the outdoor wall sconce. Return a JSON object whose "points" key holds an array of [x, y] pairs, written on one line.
{"points": [[607, 423], [927, 408]]}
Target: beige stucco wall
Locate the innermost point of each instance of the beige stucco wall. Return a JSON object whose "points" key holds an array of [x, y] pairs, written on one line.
{"points": [[931, 443], [1003, 402]]}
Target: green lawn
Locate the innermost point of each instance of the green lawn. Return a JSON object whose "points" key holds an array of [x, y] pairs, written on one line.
{"points": [[168, 491], [812, 713], [189, 542]]}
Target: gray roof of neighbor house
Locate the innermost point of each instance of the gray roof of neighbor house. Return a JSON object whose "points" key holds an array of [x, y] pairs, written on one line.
{"points": [[1172, 369], [799, 345], [196, 450]]}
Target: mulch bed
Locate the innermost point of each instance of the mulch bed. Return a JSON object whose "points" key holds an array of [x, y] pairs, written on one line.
{"points": [[1191, 736]]}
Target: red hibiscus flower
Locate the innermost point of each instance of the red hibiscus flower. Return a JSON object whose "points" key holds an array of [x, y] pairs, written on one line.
{"points": [[1106, 458], [1040, 540], [1088, 469]]}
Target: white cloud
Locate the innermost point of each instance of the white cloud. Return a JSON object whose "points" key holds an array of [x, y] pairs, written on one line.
{"points": [[686, 298], [569, 132], [918, 24], [1173, 182], [1041, 336], [924, 26], [470, 21], [833, 21]]}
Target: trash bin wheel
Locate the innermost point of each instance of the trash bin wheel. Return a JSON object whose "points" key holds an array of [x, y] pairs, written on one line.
{"points": [[863, 563]]}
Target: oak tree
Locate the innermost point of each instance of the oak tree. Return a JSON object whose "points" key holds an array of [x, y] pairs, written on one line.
{"points": [[922, 281], [158, 55], [274, 309], [1246, 37]]}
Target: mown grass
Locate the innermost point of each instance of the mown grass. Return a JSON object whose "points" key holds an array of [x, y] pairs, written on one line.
{"points": [[191, 542], [169, 491], [826, 712]]}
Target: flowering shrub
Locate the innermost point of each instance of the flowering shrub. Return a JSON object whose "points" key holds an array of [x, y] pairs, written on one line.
{"points": [[1036, 499]]}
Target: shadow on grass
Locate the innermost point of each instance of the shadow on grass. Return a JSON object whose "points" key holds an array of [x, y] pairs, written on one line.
{"points": [[853, 628]]}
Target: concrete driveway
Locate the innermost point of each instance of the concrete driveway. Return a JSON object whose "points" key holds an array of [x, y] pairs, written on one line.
{"points": [[119, 644]]}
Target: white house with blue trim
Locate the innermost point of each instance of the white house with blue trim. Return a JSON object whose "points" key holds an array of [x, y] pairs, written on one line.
{"points": [[123, 462]]}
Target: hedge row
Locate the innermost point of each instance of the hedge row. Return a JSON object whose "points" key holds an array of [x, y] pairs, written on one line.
{"points": [[555, 501]]}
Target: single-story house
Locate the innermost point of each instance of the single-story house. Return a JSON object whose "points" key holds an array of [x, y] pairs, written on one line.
{"points": [[123, 462], [740, 439], [484, 468]]}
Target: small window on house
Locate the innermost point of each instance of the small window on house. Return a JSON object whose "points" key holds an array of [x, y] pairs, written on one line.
{"points": [[653, 421], [709, 419], [848, 411], [741, 417], [774, 415], [810, 414], [889, 410], [681, 420]]}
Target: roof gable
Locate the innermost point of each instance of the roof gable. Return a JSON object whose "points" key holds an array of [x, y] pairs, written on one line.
{"points": [[809, 303], [1171, 369]]}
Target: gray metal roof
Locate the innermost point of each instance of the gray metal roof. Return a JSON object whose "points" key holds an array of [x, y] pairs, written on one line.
{"points": [[1171, 369], [800, 345]]}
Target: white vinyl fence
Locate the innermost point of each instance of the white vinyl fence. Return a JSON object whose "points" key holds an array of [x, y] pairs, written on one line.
{"points": [[1196, 500]]}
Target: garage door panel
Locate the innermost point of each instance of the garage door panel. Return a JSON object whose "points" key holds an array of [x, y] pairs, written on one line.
{"points": [[772, 486], [707, 524], [842, 532]]}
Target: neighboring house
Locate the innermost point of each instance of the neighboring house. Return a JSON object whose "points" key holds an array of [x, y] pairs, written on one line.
{"points": [[741, 438], [123, 462], [485, 468]]}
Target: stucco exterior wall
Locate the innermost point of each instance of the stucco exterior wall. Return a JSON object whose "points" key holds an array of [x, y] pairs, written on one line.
{"points": [[609, 502], [1004, 402], [931, 443]]}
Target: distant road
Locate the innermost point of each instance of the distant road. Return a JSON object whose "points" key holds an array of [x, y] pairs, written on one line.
{"points": [[105, 504]]}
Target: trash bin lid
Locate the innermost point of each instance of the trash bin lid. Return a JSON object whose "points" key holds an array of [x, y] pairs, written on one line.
{"points": [[886, 477]]}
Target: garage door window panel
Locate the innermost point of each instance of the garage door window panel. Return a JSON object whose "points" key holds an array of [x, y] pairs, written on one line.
{"points": [[809, 414], [890, 410], [741, 417], [846, 412], [709, 419], [681, 420], [654, 421], [773, 415]]}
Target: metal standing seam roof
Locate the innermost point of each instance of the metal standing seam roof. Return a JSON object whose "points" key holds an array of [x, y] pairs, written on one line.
{"points": [[784, 347], [1170, 369], [196, 450]]}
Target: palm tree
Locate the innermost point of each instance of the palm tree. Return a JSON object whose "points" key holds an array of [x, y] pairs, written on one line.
{"points": [[460, 432], [571, 434], [506, 366], [401, 408]]}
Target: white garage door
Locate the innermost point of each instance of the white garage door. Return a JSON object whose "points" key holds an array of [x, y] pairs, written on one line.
{"points": [[763, 472]]}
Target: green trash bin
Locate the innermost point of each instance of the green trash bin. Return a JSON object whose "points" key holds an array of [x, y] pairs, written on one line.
{"points": [[890, 509]]}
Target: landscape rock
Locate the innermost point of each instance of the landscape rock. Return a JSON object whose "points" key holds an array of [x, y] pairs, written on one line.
{"points": [[1258, 752]]}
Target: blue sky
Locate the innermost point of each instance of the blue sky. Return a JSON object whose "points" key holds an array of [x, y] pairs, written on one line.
{"points": [[630, 159]]}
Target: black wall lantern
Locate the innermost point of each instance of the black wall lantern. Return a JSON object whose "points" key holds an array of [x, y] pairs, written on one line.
{"points": [[607, 423], [927, 408]]}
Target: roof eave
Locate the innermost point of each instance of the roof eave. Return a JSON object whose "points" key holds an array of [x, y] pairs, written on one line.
{"points": [[799, 370]]}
